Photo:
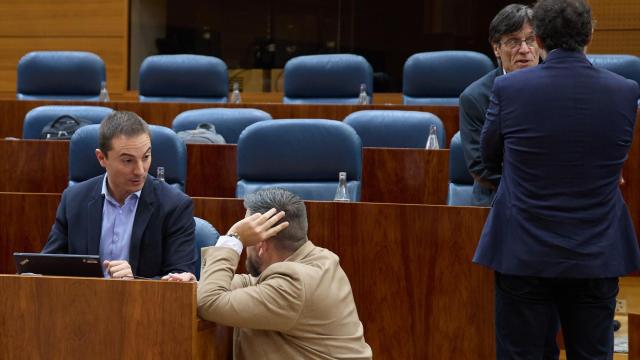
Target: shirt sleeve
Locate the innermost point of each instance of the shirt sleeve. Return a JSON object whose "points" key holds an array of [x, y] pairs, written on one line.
{"points": [[230, 242]]}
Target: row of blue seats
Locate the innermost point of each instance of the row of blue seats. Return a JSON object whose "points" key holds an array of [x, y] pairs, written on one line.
{"points": [[376, 128], [429, 78], [302, 155]]}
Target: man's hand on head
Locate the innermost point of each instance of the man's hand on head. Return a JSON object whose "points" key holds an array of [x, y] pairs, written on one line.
{"points": [[118, 269], [259, 227]]}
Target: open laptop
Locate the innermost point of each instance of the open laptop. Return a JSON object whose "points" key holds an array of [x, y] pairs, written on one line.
{"points": [[58, 264]]}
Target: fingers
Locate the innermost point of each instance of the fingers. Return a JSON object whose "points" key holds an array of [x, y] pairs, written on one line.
{"points": [[183, 277], [276, 229], [271, 219], [118, 269]]}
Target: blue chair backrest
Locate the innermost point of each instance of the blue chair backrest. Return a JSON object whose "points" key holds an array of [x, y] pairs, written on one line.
{"points": [[183, 78], [460, 180], [439, 77], [303, 156], [228, 122], [326, 79], [395, 128], [39, 117], [206, 235], [167, 151], [623, 65], [60, 75]]}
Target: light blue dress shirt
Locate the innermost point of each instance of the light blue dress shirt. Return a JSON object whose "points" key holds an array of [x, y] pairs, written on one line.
{"points": [[117, 225]]}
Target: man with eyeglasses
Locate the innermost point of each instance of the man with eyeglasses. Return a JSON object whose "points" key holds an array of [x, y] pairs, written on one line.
{"points": [[559, 233], [513, 41]]}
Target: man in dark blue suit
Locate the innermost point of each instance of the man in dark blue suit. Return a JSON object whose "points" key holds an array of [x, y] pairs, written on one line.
{"points": [[559, 233], [139, 225], [513, 42]]}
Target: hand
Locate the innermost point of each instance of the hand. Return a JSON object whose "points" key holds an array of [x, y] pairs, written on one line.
{"points": [[184, 277], [118, 269], [259, 227], [621, 181]]}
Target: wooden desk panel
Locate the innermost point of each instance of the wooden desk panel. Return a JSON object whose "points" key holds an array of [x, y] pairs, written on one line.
{"points": [[12, 112], [81, 318], [417, 292], [634, 336], [389, 175], [405, 176]]}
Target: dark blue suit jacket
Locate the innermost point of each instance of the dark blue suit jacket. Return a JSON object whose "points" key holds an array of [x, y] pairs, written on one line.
{"points": [[474, 102], [561, 131], [162, 239]]}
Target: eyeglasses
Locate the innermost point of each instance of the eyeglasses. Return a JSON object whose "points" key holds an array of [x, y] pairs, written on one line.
{"points": [[515, 43]]}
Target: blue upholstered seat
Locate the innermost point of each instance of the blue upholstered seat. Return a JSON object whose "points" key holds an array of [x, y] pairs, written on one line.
{"points": [[60, 75], [303, 156], [228, 122], [623, 65], [395, 128], [460, 180], [183, 78], [206, 235], [326, 79], [439, 77], [168, 151], [38, 118]]}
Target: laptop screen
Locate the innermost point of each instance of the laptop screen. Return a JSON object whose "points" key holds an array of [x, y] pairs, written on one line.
{"points": [[58, 264]]}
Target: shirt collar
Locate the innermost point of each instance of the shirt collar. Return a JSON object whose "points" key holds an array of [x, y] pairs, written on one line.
{"points": [[107, 195]]}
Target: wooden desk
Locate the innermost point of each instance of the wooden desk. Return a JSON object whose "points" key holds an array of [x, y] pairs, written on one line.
{"points": [[634, 335], [417, 292], [12, 112], [82, 318], [389, 175]]}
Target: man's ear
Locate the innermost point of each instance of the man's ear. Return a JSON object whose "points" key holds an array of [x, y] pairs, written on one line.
{"points": [[264, 247], [496, 50], [101, 157]]}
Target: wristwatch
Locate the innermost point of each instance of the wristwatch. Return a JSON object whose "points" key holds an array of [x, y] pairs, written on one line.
{"points": [[234, 235]]}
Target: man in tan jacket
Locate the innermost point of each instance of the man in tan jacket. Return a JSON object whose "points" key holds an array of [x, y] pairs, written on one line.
{"points": [[297, 303]]}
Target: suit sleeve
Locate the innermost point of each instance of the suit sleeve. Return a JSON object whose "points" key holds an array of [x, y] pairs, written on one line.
{"points": [[471, 121], [58, 243], [491, 141], [273, 304], [179, 249]]}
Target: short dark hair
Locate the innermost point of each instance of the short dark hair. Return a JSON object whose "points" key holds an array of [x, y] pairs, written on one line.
{"points": [[119, 123], [295, 235], [509, 20], [563, 24]]}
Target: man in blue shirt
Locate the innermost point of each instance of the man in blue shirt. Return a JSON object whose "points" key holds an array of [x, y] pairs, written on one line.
{"points": [[139, 225]]}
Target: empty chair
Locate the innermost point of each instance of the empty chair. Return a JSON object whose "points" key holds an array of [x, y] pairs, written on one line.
{"points": [[39, 117], [303, 156], [60, 75], [206, 235], [183, 78], [439, 77], [326, 79], [460, 180], [168, 151], [228, 122], [623, 65], [395, 128]]}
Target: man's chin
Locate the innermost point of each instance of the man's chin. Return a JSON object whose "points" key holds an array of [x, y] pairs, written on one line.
{"points": [[524, 65]]}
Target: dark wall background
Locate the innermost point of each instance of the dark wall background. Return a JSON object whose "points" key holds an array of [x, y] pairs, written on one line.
{"points": [[266, 33]]}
